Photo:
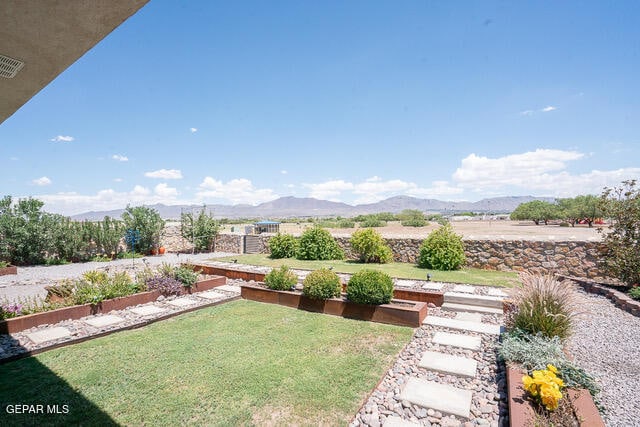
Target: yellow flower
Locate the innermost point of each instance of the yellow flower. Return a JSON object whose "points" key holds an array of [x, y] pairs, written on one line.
{"points": [[552, 369]]}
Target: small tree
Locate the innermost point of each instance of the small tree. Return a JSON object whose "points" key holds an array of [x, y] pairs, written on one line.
{"points": [[537, 211], [579, 208], [622, 241], [442, 250], [201, 230], [147, 222], [370, 246], [412, 218]]}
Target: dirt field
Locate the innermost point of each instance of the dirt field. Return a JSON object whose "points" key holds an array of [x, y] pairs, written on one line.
{"points": [[480, 230]]}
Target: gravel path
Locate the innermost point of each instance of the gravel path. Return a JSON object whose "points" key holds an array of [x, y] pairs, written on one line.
{"points": [[30, 281], [606, 344]]}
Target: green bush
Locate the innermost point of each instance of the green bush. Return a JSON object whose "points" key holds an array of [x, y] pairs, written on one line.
{"points": [[346, 223], [373, 222], [281, 279], [97, 286], [187, 276], [544, 305], [442, 250], [412, 218], [147, 222], [201, 230], [370, 287], [370, 246], [283, 246], [318, 244], [322, 284], [635, 292]]}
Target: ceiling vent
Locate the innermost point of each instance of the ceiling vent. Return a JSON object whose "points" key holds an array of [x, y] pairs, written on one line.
{"points": [[9, 67]]}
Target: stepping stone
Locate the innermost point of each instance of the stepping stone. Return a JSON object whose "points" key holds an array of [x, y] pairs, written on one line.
{"points": [[465, 289], [229, 288], [497, 293], [457, 340], [472, 317], [102, 321], [483, 300], [450, 306], [439, 397], [433, 286], [182, 302], [49, 334], [395, 421], [464, 325], [148, 310], [448, 364], [405, 283], [212, 295]]}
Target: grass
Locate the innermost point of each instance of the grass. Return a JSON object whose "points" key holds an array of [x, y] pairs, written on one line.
{"points": [[472, 276], [240, 363]]}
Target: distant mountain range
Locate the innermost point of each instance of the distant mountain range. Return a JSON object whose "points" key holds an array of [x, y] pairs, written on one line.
{"points": [[286, 207]]}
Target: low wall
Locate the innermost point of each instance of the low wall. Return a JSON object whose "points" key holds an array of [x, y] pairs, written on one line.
{"points": [[570, 258]]}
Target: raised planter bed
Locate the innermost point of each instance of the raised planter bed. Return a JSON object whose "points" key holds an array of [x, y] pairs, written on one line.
{"points": [[398, 312], [10, 269], [436, 298], [521, 413], [20, 323]]}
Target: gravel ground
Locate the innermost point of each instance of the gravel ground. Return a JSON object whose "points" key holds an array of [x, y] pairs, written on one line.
{"points": [[606, 343], [30, 281]]}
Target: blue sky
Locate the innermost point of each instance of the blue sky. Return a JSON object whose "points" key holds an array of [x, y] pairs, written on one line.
{"points": [[243, 102]]}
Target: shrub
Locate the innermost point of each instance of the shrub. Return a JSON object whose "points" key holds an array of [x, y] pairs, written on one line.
{"points": [[147, 222], [635, 292], [544, 305], [370, 287], [200, 230], [346, 223], [187, 276], [318, 244], [370, 246], [373, 222], [412, 218], [442, 250], [96, 286], [283, 246], [322, 284], [281, 279], [166, 285], [622, 238]]}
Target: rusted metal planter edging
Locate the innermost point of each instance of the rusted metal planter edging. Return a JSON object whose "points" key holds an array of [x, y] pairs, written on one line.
{"points": [[20, 323], [521, 413], [619, 299], [10, 269], [405, 313]]}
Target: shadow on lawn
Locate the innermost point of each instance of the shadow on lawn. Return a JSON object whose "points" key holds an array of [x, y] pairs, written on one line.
{"points": [[33, 395]]}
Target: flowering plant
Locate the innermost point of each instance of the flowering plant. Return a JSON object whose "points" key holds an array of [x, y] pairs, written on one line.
{"points": [[9, 310], [545, 386]]}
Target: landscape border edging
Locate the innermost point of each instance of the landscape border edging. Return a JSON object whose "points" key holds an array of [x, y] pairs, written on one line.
{"points": [[619, 299], [10, 269]]}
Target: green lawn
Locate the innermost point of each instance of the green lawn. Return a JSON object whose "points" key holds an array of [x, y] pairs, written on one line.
{"points": [[472, 276], [240, 363]]}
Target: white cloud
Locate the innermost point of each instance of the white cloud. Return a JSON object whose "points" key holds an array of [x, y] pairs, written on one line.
{"points": [[526, 113], [284, 172], [329, 189], [164, 191], [239, 190], [164, 174], [438, 189], [13, 159], [120, 158], [42, 181], [118, 179], [193, 130], [62, 138], [540, 172], [548, 108]]}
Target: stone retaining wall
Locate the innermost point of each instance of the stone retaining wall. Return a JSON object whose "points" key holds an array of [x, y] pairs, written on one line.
{"points": [[570, 258]]}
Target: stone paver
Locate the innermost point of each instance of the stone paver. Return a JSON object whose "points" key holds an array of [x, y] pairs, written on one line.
{"points": [[448, 364], [212, 295], [182, 302], [405, 283], [464, 289], [465, 325], [482, 300], [147, 310], [102, 321], [472, 317], [439, 397], [450, 306], [395, 421], [48, 334], [457, 340], [434, 286], [229, 288]]}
